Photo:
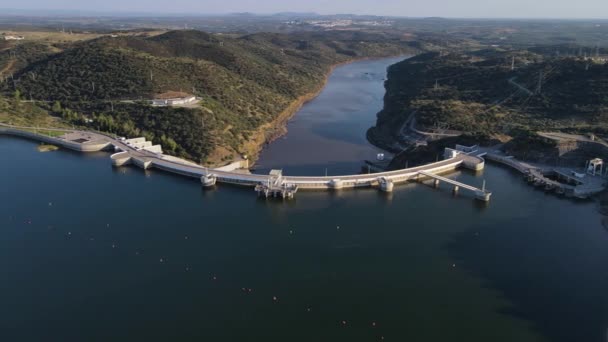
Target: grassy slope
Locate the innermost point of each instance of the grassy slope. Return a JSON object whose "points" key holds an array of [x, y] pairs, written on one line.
{"points": [[246, 82]]}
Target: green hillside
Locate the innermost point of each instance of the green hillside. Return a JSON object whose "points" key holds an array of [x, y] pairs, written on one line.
{"points": [[479, 92], [246, 82]]}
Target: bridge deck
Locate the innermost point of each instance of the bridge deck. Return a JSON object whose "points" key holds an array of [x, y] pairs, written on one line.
{"points": [[451, 181]]}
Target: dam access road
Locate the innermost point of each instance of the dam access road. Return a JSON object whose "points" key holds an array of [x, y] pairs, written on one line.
{"points": [[144, 154]]}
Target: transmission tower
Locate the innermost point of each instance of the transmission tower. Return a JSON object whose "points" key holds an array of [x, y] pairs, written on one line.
{"points": [[539, 87]]}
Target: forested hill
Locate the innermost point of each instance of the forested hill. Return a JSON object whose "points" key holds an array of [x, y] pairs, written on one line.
{"points": [[480, 92], [132, 67], [245, 82]]}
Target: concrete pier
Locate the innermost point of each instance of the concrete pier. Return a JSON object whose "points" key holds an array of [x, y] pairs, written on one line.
{"points": [[480, 194], [560, 180], [336, 184], [386, 185], [121, 159], [208, 180], [72, 140]]}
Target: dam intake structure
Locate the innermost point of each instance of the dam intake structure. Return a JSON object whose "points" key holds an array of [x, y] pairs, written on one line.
{"points": [[144, 154]]}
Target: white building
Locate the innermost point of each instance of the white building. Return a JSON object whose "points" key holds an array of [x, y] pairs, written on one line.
{"points": [[14, 37], [173, 99]]}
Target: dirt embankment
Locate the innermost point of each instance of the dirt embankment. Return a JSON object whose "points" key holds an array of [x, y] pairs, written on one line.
{"points": [[8, 68], [270, 131]]}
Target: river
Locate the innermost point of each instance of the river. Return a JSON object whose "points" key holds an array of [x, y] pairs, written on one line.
{"points": [[94, 253], [329, 133]]}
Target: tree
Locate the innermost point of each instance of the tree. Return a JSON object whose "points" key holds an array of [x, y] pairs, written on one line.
{"points": [[56, 107], [17, 95], [168, 143]]}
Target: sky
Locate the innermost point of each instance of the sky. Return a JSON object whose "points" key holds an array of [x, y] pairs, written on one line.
{"points": [[597, 9]]}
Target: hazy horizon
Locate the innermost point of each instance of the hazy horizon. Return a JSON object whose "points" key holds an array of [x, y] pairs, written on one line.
{"points": [[466, 9]]}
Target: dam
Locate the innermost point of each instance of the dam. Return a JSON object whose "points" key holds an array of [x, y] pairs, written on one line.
{"points": [[144, 154]]}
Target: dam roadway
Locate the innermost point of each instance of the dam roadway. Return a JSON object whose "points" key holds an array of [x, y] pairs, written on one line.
{"points": [[145, 155]]}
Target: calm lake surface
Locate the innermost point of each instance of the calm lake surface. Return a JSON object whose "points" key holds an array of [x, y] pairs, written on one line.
{"points": [[94, 253], [329, 132]]}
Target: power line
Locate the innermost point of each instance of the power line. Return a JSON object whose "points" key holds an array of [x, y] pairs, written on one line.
{"points": [[539, 88]]}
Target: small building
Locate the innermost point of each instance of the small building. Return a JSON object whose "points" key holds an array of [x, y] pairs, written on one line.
{"points": [[276, 177], [173, 98], [595, 166], [276, 186], [450, 153], [11, 37]]}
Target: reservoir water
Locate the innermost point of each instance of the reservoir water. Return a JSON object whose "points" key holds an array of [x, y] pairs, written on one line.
{"points": [[329, 133], [94, 253]]}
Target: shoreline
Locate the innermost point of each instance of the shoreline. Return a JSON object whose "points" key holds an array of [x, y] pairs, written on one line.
{"points": [[278, 126]]}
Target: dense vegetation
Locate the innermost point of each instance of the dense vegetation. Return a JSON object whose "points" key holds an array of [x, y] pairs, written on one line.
{"points": [[245, 82], [479, 92]]}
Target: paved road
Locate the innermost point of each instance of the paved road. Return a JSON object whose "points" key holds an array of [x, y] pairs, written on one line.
{"points": [[410, 133], [576, 137]]}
